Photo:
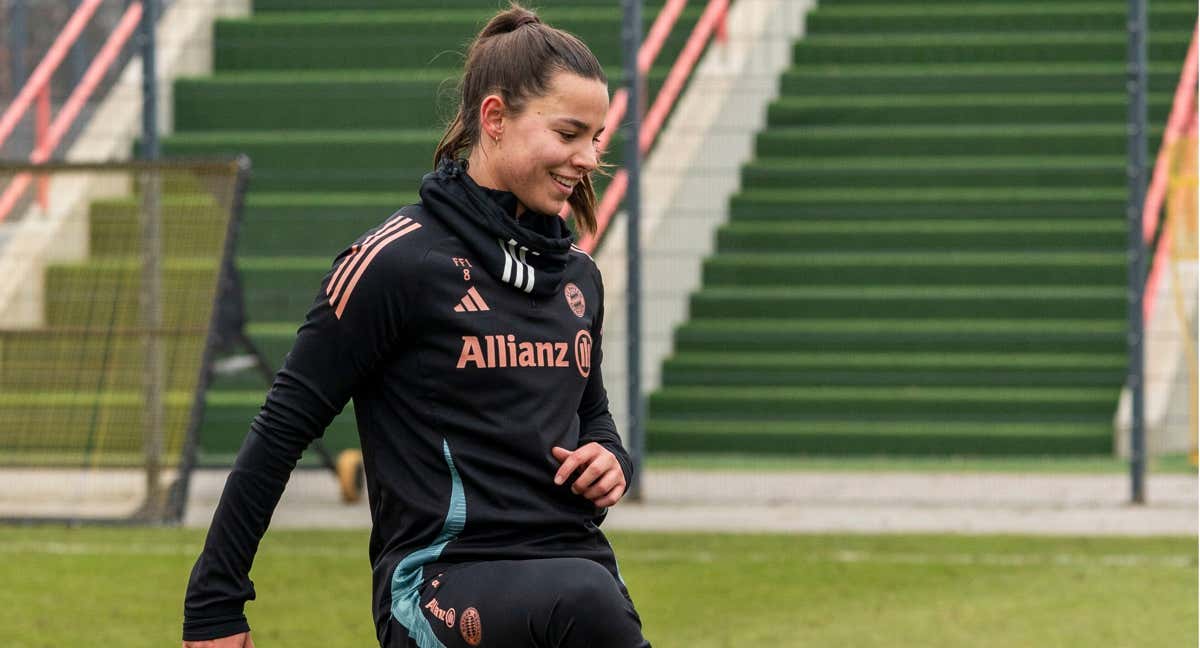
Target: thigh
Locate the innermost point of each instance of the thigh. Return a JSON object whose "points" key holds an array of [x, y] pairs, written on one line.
{"points": [[545, 603]]}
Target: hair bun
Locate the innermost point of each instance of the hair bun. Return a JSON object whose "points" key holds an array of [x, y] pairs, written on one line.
{"points": [[511, 20], [527, 18]]}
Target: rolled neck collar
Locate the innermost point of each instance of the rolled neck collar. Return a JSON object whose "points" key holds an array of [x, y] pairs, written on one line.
{"points": [[548, 225], [529, 254], [506, 200]]}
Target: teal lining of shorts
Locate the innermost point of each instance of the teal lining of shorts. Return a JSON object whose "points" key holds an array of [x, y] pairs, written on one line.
{"points": [[406, 579]]}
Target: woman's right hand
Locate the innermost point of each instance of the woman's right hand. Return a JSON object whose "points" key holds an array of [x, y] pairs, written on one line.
{"points": [[242, 640]]}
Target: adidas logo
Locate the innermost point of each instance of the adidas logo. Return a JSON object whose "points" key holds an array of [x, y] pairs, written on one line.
{"points": [[472, 302]]}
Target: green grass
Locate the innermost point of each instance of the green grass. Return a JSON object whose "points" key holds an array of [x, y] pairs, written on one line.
{"points": [[124, 587]]}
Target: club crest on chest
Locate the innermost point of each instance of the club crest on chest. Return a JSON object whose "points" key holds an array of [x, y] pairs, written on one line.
{"points": [[575, 299]]}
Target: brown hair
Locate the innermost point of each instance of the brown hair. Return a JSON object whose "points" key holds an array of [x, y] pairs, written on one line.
{"points": [[515, 56]]}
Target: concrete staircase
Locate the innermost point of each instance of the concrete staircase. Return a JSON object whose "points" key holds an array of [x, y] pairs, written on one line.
{"points": [[927, 252], [339, 104]]}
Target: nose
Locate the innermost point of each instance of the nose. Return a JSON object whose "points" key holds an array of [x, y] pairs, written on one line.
{"points": [[587, 159]]}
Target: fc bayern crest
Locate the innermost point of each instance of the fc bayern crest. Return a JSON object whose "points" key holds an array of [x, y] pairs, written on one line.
{"points": [[575, 299], [470, 627]]}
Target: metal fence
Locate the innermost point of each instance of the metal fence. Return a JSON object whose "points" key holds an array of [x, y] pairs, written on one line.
{"points": [[106, 339]]}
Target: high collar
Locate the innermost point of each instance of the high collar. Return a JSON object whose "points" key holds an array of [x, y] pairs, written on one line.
{"points": [[505, 200], [529, 253]]}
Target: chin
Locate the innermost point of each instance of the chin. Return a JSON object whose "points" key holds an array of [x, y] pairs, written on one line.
{"points": [[550, 207]]}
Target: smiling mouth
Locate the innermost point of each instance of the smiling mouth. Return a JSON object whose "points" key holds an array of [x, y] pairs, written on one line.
{"points": [[567, 184]]}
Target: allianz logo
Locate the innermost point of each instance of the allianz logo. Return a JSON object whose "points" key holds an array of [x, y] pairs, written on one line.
{"points": [[501, 351]]}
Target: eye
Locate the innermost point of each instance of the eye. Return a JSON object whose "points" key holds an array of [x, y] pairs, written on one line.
{"points": [[566, 135]]}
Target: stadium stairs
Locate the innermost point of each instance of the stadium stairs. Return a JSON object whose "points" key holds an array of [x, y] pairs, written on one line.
{"points": [[94, 411], [339, 104], [927, 254]]}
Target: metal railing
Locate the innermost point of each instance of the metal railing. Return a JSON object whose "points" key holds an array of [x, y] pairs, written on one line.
{"points": [[711, 22], [1181, 121], [48, 133]]}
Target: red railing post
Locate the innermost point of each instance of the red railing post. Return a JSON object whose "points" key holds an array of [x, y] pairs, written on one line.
{"points": [[1180, 121], [723, 25], [49, 133], [711, 22], [41, 74], [41, 126]]}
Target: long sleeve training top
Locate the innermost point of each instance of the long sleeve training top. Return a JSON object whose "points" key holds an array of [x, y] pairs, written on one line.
{"points": [[470, 341]]}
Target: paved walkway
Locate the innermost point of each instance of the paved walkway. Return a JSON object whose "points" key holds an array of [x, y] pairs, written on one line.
{"points": [[853, 502]]}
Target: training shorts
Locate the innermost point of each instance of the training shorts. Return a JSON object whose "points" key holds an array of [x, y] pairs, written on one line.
{"points": [[543, 603]]}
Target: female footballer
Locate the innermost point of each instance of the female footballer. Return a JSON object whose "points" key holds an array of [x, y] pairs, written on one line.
{"points": [[467, 330]]}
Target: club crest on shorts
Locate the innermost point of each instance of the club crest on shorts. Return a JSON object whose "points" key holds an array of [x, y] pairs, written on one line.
{"points": [[575, 299], [470, 627]]}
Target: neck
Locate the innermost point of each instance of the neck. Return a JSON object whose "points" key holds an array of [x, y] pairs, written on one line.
{"points": [[481, 172]]}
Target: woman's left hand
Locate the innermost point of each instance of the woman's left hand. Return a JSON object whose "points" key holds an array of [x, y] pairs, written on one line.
{"points": [[602, 479]]}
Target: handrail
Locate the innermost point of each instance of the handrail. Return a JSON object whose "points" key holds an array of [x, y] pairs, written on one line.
{"points": [[658, 34], [39, 81], [712, 20], [1181, 121], [1185, 97], [50, 134], [655, 39]]}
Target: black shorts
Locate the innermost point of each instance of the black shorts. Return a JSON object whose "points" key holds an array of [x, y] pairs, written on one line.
{"points": [[547, 603]]}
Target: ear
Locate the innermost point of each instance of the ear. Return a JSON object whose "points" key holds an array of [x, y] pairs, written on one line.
{"points": [[491, 117]]}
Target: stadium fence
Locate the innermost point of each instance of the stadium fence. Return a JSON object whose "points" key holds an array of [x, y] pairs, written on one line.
{"points": [[110, 321]]}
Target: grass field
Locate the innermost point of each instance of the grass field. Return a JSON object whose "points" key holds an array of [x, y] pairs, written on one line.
{"points": [[124, 587]]}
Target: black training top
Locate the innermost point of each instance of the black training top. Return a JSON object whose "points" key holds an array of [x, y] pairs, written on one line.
{"points": [[470, 343]]}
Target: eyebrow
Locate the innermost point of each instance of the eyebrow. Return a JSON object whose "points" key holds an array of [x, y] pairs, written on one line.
{"points": [[579, 124]]}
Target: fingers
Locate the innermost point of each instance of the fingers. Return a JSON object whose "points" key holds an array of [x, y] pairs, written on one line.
{"points": [[612, 497], [602, 480], [573, 461], [560, 453], [603, 486], [249, 641], [609, 488], [601, 465], [570, 461]]}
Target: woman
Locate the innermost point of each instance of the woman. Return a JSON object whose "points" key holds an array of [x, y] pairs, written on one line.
{"points": [[467, 330]]}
